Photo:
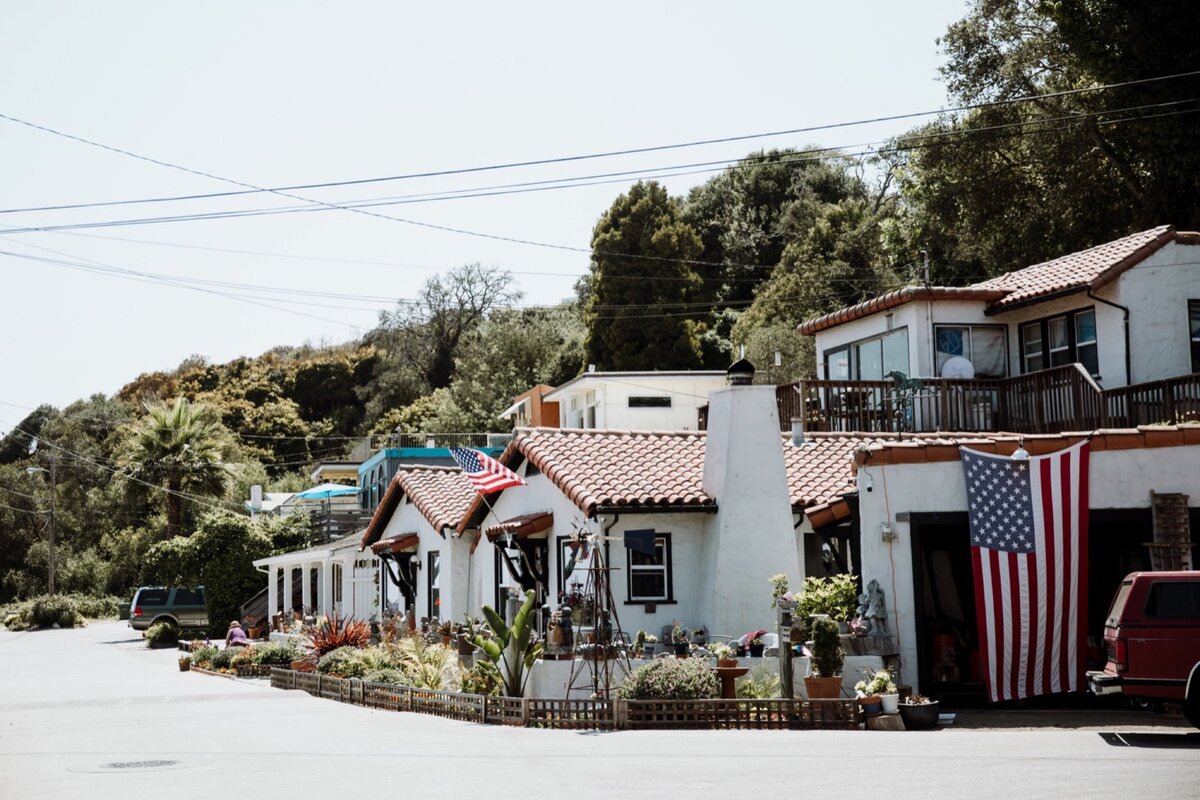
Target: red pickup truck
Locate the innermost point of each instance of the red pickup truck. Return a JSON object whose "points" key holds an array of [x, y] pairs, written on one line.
{"points": [[1152, 638]]}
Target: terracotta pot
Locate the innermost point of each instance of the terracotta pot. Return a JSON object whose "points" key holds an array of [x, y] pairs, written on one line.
{"points": [[727, 662], [446, 639], [185, 663], [254, 633], [823, 688]]}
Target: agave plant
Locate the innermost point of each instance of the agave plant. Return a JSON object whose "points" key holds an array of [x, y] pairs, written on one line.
{"points": [[330, 633], [512, 650]]}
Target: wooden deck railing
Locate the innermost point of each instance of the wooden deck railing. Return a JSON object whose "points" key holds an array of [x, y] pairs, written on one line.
{"points": [[1050, 401]]}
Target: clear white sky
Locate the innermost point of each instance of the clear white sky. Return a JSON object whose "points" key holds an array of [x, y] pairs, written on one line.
{"points": [[285, 93]]}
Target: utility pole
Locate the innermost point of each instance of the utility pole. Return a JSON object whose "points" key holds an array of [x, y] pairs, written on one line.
{"points": [[53, 491]]}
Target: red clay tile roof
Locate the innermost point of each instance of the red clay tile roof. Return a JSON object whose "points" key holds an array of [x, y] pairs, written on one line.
{"points": [[522, 526], [441, 494], [638, 469], [396, 544], [595, 468], [1089, 268], [895, 298]]}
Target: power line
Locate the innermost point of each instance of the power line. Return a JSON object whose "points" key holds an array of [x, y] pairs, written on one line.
{"points": [[911, 142], [181, 494], [23, 510], [247, 189]]}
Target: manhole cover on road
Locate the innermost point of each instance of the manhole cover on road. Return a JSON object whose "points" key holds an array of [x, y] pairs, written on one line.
{"points": [[143, 765]]}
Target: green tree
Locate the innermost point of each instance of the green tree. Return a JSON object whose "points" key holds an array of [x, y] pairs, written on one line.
{"points": [[638, 316], [181, 445], [1003, 186], [220, 555]]}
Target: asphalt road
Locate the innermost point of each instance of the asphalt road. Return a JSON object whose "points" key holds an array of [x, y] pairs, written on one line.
{"points": [[93, 714]]}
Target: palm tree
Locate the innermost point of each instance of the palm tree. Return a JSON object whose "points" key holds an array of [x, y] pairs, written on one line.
{"points": [[181, 445]]}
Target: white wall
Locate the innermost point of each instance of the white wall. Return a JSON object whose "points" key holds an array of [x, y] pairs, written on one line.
{"points": [[1117, 479], [917, 317], [1156, 292], [688, 392]]}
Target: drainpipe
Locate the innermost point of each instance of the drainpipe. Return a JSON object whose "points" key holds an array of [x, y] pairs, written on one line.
{"points": [[1124, 310]]}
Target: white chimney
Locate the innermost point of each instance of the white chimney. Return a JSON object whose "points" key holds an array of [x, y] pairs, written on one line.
{"points": [[751, 536]]}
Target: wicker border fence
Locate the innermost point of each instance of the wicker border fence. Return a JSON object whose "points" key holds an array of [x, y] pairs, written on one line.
{"points": [[776, 714]]}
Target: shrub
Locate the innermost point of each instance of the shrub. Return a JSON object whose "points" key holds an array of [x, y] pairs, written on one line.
{"points": [[836, 596], [391, 675], [242, 657], [671, 679], [277, 655], [426, 666], [483, 678], [49, 610], [97, 607], [342, 661], [223, 659], [203, 656], [828, 657], [162, 634], [762, 683], [333, 632]]}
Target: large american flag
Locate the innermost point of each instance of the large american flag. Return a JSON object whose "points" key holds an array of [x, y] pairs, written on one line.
{"points": [[1029, 552], [485, 473]]}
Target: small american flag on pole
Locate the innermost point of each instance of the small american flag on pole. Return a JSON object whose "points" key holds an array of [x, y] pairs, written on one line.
{"points": [[1029, 544], [485, 473]]}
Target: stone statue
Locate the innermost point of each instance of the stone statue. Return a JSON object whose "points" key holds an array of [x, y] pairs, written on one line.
{"points": [[872, 611]]}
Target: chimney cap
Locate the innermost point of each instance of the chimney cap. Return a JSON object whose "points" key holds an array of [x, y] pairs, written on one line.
{"points": [[740, 373]]}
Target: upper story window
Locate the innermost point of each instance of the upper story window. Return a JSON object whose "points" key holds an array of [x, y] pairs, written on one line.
{"points": [[983, 345], [1059, 340], [649, 402], [1194, 332], [869, 360], [649, 576]]}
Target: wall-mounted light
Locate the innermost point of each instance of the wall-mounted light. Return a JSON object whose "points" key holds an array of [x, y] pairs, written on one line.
{"points": [[1020, 454]]}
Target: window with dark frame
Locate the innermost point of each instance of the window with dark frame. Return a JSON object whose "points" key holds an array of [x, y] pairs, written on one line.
{"points": [[1194, 332], [649, 402], [1062, 339], [985, 346], [649, 577], [870, 359], [433, 576]]}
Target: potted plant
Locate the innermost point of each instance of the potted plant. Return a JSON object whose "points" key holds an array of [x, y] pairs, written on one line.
{"points": [[649, 645], [880, 684], [919, 713], [185, 662], [724, 655], [779, 589], [756, 647], [679, 640], [871, 691], [825, 678], [446, 632]]}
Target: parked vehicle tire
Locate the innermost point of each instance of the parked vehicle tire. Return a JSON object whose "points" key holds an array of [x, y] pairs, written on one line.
{"points": [[1191, 700]]}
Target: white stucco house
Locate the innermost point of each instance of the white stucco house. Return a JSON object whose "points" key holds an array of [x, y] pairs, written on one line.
{"points": [[1101, 307], [912, 522], [652, 401], [727, 508]]}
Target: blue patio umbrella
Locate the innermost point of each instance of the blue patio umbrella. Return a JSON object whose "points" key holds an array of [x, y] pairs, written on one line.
{"points": [[326, 491]]}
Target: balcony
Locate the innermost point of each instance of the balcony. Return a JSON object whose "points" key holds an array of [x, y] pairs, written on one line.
{"points": [[1050, 401], [369, 445]]}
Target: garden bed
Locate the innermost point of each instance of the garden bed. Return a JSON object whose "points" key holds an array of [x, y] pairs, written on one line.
{"points": [[778, 714]]}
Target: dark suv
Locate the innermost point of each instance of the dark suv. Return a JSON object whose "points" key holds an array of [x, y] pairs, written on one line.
{"points": [[182, 606], [1152, 638]]}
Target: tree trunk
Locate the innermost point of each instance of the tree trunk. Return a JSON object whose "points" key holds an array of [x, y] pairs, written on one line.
{"points": [[174, 509]]}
